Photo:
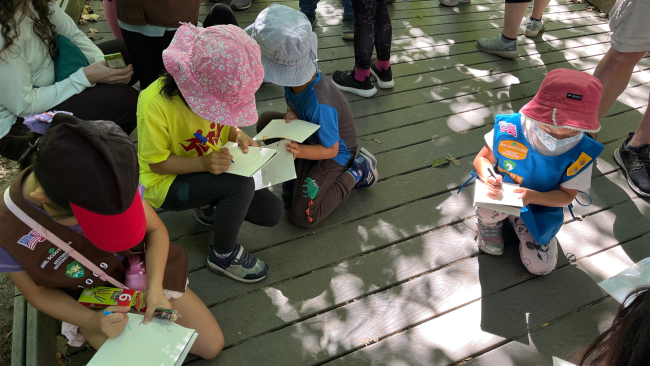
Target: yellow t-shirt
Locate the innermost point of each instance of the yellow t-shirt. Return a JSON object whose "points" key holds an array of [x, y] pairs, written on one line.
{"points": [[167, 127]]}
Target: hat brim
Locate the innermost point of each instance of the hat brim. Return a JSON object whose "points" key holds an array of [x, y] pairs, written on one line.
{"points": [[114, 233], [289, 76], [561, 118]]}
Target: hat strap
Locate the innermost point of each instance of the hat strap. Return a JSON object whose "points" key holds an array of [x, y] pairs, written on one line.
{"points": [[554, 111], [42, 231]]}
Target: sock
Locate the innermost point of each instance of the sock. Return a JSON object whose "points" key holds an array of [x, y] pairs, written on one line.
{"points": [[357, 174], [361, 75], [536, 19], [506, 39], [630, 147], [382, 65], [222, 256]]}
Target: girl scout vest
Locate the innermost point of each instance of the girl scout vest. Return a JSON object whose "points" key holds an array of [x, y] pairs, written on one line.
{"points": [[50, 266], [519, 163]]}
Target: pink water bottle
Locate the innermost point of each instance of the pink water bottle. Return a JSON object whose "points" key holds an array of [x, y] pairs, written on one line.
{"points": [[136, 274]]}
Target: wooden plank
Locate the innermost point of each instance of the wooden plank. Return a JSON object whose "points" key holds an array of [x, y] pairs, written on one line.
{"points": [[339, 331], [18, 337], [40, 339]]}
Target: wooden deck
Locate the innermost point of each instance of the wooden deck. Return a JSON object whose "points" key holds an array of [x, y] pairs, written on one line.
{"points": [[394, 276]]}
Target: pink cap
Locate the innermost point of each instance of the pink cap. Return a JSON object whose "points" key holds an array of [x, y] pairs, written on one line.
{"points": [[218, 70], [566, 99]]}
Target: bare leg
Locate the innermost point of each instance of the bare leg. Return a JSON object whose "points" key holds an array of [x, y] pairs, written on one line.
{"points": [[538, 8], [614, 72], [642, 134], [514, 14]]}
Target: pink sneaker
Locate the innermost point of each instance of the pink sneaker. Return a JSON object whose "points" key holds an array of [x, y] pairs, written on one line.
{"points": [[490, 238]]}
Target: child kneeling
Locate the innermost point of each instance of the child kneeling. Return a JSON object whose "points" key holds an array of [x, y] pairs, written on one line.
{"points": [[326, 167], [544, 150]]}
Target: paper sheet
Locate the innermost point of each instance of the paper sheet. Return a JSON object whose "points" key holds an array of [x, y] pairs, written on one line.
{"points": [[158, 343], [279, 169], [559, 362], [295, 130], [248, 164], [508, 202], [620, 285]]}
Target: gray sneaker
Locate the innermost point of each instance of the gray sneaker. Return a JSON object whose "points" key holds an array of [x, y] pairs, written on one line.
{"points": [[490, 238], [348, 30], [204, 215], [496, 46], [240, 4], [533, 27], [240, 266]]}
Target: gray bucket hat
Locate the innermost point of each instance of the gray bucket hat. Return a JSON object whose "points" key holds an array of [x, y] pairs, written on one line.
{"points": [[288, 45]]}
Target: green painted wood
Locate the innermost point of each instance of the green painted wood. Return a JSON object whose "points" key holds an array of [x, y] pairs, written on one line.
{"points": [[19, 334], [40, 339]]}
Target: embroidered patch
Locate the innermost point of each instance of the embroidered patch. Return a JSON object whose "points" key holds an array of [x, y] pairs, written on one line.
{"points": [[30, 240], [508, 128], [512, 176], [75, 270], [509, 165], [574, 96], [513, 150], [582, 161], [51, 250], [311, 188]]}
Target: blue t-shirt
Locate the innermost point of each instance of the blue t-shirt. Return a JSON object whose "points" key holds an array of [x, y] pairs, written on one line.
{"points": [[322, 103]]}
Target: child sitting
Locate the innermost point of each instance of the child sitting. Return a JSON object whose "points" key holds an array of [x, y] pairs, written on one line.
{"points": [[325, 164], [544, 150]]}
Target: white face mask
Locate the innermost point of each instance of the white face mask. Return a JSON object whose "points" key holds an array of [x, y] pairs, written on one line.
{"points": [[551, 142]]}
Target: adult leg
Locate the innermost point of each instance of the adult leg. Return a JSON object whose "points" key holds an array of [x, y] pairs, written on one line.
{"points": [[146, 54], [614, 72], [535, 22], [515, 11], [347, 29], [538, 8], [505, 44], [308, 7], [220, 14], [538, 259]]}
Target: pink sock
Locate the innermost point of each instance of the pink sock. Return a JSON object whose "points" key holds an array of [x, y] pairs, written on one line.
{"points": [[361, 75], [382, 65]]}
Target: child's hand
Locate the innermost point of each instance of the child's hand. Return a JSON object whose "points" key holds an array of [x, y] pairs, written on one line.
{"points": [[494, 185], [112, 325], [290, 116], [527, 195], [294, 148], [217, 162], [244, 141], [156, 299]]}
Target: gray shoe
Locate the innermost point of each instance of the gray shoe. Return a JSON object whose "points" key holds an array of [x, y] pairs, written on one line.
{"points": [[490, 238], [533, 27], [204, 215], [239, 265], [240, 4], [348, 30], [496, 46]]}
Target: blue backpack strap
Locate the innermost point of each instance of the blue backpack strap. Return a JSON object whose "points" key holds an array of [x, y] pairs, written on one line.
{"points": [[472, 176], [579, 218]]}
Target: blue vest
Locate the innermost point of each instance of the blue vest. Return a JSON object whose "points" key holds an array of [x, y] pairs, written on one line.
{"points": [[518, 162]]}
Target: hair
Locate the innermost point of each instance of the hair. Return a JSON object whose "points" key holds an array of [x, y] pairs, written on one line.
{"points": [[170, 88], [9, 26], [627, 342]]}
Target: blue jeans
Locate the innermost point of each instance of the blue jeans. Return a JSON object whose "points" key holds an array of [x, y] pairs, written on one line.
{"points": [[308, 7]]}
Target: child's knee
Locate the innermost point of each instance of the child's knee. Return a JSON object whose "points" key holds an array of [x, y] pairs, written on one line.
{"points": [[211, 348], [303, 217]]}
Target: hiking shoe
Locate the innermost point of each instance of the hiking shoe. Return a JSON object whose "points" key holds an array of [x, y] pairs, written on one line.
{"points": [[454, 2], [366, 166], [533, 27], [347, 32], [496, 46], [490, 238], [204, 215], [345, 81], [384, 78], [636, 165], [240, 4], [240, 266]]}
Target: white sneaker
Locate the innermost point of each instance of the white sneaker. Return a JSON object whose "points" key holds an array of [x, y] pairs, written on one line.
{"points": [[240, 4], [454, 2], [533, 27]]}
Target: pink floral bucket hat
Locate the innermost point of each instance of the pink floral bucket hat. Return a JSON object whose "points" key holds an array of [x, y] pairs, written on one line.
{"points": [[218, 70]]}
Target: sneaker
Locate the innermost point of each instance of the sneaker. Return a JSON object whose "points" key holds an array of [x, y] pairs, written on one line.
{"points": [[240, 4], [240, 266], [496, 46], [384, 78], [533, 27], [345, 81], [490, 238], [314, 21], [636, 165], [347, 32], [454, 2], [366, 166], [204, 215]]}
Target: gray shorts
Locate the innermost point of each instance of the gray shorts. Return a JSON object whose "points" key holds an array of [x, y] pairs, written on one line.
{"points": [[629, 21]]}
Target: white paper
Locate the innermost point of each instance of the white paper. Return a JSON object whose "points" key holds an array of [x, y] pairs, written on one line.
{"points": [[620, 285], [279, 169], [295, 130], [559, 362], [508, 201], [248, 164], [160, 343]]}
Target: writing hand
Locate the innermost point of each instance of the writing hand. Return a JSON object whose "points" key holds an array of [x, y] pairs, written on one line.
{"points": [[494, 185], [112, 325], [217, 162]]}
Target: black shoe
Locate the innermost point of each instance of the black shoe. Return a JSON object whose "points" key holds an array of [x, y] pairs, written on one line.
{"points": [[384, 78], [313, 21], [636, 164], [345, 81]]}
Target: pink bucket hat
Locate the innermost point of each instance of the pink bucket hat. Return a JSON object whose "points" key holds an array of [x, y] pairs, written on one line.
{"points": [[218, 70], [566, 99]]}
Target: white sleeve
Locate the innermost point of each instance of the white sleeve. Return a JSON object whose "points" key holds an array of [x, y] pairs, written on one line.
{"points": [[22, 99], [65, 26], [581, 182], [489, 139]]}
